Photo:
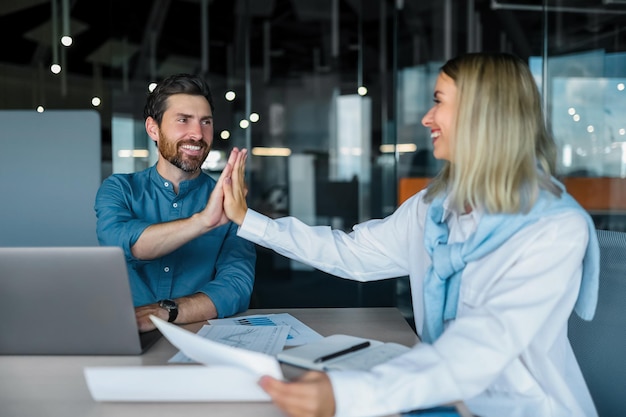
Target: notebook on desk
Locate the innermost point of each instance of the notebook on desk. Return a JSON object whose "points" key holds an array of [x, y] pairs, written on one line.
{"points": [[68, 301]]}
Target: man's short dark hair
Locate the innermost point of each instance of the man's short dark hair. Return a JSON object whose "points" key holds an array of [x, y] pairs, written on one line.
{"points": [[175, 84]]}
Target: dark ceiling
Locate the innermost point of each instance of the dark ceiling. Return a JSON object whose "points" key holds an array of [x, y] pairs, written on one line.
{"points": [[116, 33], [140, 39]]}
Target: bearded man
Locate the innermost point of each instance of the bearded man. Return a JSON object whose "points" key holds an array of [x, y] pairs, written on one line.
{"points": [[185, 263]]}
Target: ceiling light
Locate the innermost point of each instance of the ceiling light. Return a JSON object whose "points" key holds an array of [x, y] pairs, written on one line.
{"points": [[402, 148], [259, 151]]}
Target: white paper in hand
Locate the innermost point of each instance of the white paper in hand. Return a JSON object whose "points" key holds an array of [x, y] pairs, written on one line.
{"points": [[208, 352], [232, 373]]}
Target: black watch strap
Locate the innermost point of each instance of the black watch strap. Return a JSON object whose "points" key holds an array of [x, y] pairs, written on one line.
{"points": [[171, 307]]}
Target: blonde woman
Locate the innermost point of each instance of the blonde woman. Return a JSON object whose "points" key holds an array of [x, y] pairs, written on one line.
{"points": [[498, 254]]}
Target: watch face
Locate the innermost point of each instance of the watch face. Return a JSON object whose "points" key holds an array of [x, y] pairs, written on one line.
{"points": [[171, 307], [167, 304]]}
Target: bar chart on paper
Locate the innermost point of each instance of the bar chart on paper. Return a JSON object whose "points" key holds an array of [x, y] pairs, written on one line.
{"points": [[299, 333], [255, 321]]}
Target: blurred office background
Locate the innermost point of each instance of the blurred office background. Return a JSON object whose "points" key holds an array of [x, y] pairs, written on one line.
{"points": [[327, 94]]}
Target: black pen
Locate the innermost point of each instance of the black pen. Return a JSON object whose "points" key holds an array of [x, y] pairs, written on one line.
{"points": [[342, 352]]}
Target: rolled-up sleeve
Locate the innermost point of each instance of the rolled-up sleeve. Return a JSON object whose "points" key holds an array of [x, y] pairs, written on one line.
{"points": [[116, 224], [232, 286]]}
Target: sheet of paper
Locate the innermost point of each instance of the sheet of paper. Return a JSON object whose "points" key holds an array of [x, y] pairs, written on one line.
{"points": [[173, 383], [266, 339], [299, 334], [209, 352], [232, 373]]}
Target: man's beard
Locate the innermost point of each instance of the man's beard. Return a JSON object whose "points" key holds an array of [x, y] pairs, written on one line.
{"points": [[171, 152]]}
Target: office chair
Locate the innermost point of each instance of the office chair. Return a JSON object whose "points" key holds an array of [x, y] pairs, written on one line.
{"points": [[600, 344]]}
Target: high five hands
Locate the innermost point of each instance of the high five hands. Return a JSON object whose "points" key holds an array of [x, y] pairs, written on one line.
{"points": [[228, 199], [234, 187], [311, 395]]}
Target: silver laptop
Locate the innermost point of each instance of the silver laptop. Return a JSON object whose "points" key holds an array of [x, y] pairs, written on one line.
{"points": [[68, 301]]}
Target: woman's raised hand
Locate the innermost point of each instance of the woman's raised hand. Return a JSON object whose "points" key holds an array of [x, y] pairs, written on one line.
{"points": [[235, 189]]}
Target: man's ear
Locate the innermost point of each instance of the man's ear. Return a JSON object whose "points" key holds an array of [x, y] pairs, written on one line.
{"points": [[152, 128]]}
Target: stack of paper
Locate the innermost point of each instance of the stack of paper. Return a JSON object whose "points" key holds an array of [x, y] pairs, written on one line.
{"points": [[299, 333], [340, 351], [268, 340], [233, 373]]}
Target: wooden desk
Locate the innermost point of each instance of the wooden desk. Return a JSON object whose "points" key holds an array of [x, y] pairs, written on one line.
{"points": [[54, 386]]}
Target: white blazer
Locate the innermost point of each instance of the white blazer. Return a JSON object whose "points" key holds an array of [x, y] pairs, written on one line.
{"points": [[505, 354]]}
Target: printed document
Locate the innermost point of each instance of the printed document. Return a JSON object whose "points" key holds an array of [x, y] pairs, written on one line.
{"points": [[232, 373], [269, 340], [299, 334], [341, 351]]}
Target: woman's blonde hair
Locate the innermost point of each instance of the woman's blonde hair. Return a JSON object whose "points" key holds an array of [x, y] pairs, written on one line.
{"points": [[502, 152]]}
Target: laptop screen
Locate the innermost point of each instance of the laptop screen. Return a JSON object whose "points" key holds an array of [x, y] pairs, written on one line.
{"points": [[67, 301]]}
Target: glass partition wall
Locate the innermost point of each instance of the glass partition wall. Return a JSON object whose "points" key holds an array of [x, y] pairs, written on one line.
{"points": [[328, 96]]}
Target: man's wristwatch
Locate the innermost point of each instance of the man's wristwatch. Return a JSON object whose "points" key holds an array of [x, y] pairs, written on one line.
{"points": [[171, 307]]}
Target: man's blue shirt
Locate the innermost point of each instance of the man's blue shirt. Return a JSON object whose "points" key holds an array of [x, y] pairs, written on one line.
{"points": [[219, 263]]}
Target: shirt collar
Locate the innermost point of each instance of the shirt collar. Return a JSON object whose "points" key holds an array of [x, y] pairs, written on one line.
{"points": [[448, 212], [183, 187]]}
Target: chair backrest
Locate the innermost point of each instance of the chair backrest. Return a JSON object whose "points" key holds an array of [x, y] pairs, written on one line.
{"points": [[600, 344]]}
